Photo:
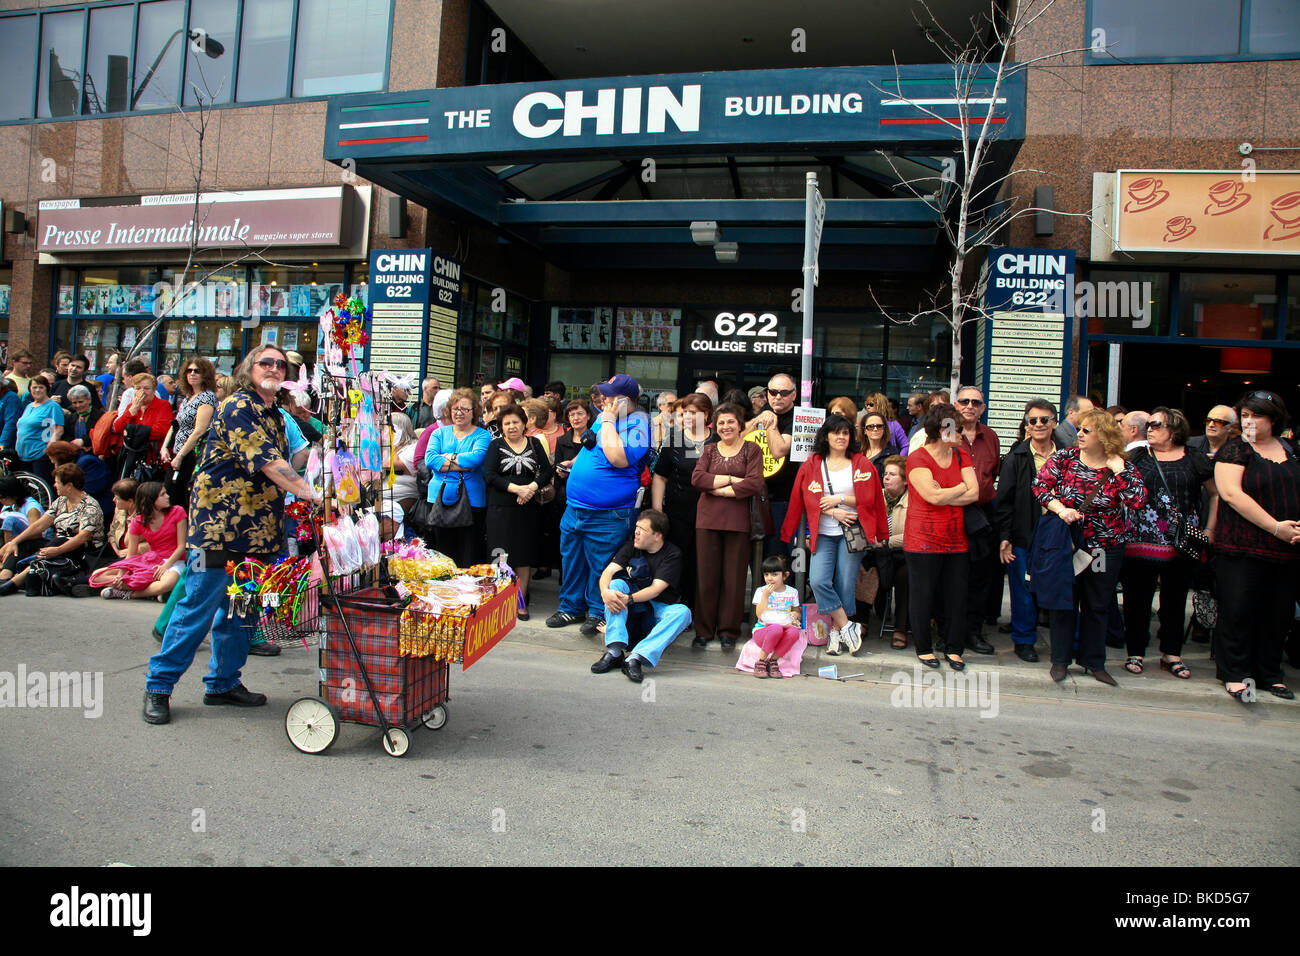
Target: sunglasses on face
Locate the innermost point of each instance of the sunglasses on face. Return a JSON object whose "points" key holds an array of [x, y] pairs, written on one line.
{"points": [[1040, 420], [192, 371], [1151, 425], [970, 401], [1085, 431], [272, 365], [783, 392], [1217, 421]]}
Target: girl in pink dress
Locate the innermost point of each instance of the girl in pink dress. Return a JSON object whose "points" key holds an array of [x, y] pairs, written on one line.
{"points": [[151, 573]]}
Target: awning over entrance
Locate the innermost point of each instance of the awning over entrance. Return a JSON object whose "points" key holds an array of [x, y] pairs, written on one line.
{"points": [[611, 172]]}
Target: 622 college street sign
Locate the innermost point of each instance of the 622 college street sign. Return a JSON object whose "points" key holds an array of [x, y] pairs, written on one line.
{"points": [[744, 333]]}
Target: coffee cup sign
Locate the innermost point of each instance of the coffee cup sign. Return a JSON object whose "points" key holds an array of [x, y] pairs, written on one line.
{"points": [[807, 422], [1210, 211]]}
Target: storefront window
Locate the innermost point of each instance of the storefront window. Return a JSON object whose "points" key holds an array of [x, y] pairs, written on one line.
{"points": [[318, 69], [108, 60], [646, 329], [581, 328], [1226, 305], [1124, 302], [653, 373], [213, 79], [579, 373], [112, 306], [59, 88], [264, 50], [1293, 308], [160, 23], [18, 54]]}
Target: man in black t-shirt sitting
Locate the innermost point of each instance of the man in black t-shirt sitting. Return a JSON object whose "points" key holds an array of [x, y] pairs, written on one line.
{"points": [[645, 571]]}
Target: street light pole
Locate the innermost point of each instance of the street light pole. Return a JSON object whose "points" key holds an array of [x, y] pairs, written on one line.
{"points": [[211, 46]]}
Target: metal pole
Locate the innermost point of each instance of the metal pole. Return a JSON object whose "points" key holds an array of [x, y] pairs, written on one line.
{"points": [[809, 269]]}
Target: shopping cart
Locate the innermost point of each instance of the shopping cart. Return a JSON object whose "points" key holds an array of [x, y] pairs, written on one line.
{"points": [[289, 619], [364, 678]]}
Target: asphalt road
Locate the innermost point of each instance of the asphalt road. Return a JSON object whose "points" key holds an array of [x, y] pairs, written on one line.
{"points": [[542, 762]]}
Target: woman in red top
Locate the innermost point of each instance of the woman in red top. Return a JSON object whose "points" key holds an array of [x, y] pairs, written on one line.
{"points": [[941, 477], [145, 408], [841, 487]]}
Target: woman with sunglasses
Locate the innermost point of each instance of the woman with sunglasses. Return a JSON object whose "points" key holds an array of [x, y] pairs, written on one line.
{"points": [[876, 440], [1174, 475], [198, 403], [879, 404], [1257, 547], [1091, 485]]}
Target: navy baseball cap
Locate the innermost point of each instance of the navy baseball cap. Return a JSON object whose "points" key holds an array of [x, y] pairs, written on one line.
{"points": [[624, 385]]}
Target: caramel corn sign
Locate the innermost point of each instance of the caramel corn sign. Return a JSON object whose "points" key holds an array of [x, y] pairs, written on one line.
{"points": [[491, 622]]}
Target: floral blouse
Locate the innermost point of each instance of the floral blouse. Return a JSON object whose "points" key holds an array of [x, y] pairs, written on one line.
{"points": [[1105, 521], [187, 416], [86, 515], [1151, 533]]}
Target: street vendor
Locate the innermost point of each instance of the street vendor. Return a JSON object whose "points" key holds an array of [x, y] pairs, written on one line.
{"points": [[236, 512], [644, 573]]}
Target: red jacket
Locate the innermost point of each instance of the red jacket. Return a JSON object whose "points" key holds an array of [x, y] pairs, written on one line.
{"points": [[157, 415], [805, 498]]}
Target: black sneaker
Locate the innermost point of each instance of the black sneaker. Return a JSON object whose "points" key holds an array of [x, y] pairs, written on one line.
{"points": [[591, 625], [82, 591], [563, 619], [237, 696], [157, 708], [264, 649]]}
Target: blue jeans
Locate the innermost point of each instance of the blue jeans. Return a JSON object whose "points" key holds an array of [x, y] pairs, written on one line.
{"points": [[833, 573], [670, 620], [204, 607], [588, 539], [1024, 610]]}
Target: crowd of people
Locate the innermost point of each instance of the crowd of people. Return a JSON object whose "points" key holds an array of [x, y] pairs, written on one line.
{"points": [[659, 520]]}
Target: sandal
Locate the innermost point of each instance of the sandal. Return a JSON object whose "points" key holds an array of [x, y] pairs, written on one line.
{"points": [[899, 640], [1134, 665], [1240, 695], [1281, 690], [1177, 668]]}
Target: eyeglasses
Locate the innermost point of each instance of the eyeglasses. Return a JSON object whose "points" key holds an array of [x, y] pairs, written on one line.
{"points": [[1085, 431], [194, 371], [1217, 421], [1040, 420], [873, 428], [783, 392], [272, 365], [970, 401], [869, 405], [463, 410], [1151, 425], [1266, 396]]}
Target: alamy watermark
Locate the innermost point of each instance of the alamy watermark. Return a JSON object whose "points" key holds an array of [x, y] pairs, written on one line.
{"points": [[930, 689], [80, 690]]}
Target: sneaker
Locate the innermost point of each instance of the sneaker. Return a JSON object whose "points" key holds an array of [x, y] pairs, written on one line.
{"points": [[82, 591], [563, 619], [760, 668], [114, 594], [833, 643], [852, 637], [591, 626]]}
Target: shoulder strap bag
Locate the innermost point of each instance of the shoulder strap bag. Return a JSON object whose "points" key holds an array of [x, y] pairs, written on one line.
{"points": [[454, 515], [1189, 541], [855, 538], [761, 524]]}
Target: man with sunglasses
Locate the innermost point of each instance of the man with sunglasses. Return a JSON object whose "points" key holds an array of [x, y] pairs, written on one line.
{"points": [[1218, 424], [1018, 514], [772, 430], [236, 512], [985, 450]]}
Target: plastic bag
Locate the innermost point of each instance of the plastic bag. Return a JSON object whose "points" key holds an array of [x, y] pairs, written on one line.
{"points": [[347, 480], [343, 546], [368, 539]]}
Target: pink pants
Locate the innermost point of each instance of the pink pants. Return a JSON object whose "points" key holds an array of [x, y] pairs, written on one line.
{"points": [[776, 639]]}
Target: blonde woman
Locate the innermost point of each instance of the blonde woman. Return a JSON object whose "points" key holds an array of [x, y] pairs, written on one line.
{"points": [[1090, 485]]}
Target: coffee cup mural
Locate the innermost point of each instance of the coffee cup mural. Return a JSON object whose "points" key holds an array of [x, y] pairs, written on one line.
{"points": [[1179, 228], [1226, 196], [1286, 210], [1144, 194]]}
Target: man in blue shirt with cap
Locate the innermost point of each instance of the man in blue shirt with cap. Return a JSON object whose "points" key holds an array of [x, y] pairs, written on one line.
{"points": [[601, 508]]}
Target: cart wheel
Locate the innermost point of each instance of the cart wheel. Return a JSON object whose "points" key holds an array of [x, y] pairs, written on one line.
{"points": [[437, 718], [311, 724], [396, 742]]}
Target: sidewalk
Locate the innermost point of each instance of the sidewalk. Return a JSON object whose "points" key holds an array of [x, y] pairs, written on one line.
{"points": [[877, 662]]}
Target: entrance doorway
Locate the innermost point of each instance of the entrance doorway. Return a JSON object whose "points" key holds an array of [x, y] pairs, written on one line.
{"points": [[728, 374], [1189, 377]]}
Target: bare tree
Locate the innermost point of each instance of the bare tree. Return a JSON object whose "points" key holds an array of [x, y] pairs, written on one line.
{"points": [[967, 188]]}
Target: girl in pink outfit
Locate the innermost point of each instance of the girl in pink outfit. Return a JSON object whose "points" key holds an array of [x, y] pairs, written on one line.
{"points": [[776, 605], [162, 527]]}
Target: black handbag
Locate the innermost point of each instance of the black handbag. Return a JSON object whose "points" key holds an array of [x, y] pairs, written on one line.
{"points": [[855, 538], [454, 515], [761, 525], [1188, 540]]}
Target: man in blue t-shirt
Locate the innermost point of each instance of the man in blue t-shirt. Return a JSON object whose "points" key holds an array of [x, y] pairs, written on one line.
{"points": [[601, 493]]}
